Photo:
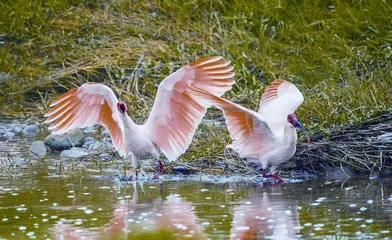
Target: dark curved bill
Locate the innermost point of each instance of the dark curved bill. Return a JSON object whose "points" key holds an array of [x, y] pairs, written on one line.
{"points": [[299, 125]]}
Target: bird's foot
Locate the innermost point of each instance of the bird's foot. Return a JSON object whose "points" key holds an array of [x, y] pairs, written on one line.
{"points": [[159, 172], [274, 176]]}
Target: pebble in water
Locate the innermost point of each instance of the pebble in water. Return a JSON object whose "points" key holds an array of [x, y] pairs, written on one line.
{"points": [[78, 222], [73, 138], [38, 148], [88, 211], [75, 152], [321, 199], [22, 228], [31, 129]]}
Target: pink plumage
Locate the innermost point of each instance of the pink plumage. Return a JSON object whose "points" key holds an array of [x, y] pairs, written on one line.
{"points": [[267, 136], [173, 120]]}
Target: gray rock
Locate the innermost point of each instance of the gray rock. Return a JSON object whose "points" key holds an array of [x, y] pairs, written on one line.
{"points": [[107, 142], [89, 130], [105, 134], [9, 135], [31, 129], [105, 156], [15, 122], [75, 152], [2, 130], [39, 148], [72, 138], [16, 129], [18, 160], [88, 140], [97, 145]]}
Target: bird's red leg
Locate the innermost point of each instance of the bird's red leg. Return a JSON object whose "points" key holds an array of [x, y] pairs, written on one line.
{"points": [[160, 170], [274, 176]]}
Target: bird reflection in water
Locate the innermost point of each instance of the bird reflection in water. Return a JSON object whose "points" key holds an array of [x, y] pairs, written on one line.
{"points": [[265, 215], [173, 215]]}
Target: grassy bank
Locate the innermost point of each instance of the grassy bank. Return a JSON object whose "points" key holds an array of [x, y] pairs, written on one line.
{"points": [[337, 52]]}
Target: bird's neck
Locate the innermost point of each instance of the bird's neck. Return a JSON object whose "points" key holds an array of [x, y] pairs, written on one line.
{"points": [[128, 123], [290, 134]]}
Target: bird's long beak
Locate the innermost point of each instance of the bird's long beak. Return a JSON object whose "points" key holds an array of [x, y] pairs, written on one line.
{"points": [[299, 125]]}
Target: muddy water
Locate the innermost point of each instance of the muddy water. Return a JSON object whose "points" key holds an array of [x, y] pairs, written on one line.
{"points": [[37, 200]]}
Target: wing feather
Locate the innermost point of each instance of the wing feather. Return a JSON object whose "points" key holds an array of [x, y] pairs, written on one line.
{"points": [[279, 100], [87, 105], [250, 132], [175, 114]]}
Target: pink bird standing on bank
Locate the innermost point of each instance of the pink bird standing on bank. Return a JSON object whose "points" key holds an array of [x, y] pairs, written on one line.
{"points": [[268, 135], [173, 120]]}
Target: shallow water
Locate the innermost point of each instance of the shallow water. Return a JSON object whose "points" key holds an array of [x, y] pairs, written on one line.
{"points": [[38, 201]]}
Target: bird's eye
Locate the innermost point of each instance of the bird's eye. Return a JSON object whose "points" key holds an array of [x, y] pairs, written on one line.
{"points": [[122, 107]]}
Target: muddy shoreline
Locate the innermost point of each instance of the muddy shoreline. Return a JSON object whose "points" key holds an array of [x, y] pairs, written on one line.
{"points": [[365, 150]]}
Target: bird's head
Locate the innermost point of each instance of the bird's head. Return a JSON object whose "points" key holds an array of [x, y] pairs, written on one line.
{"points": [[122, 107], [291, 118]]}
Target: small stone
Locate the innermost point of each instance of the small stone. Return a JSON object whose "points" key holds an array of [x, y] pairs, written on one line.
{"points": [[9, 135], [31, 129], [75, 152], [16, 127], [89, 140], [97, 145], [39, 148], [105, 134], [362, 209], [15, 122], [72, 138], [89, 130]]}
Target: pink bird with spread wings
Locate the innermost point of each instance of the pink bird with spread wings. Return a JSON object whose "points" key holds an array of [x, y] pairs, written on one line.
{"points": [[173, 120], [268, 135]]}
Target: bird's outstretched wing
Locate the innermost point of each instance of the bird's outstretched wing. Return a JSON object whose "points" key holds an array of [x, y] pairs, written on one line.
{"points": [[279, 100], [249, 131], [175, 114], [90, 104]]}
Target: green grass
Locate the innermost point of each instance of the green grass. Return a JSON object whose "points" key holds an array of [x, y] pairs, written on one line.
{"points": [[338, 53]]}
